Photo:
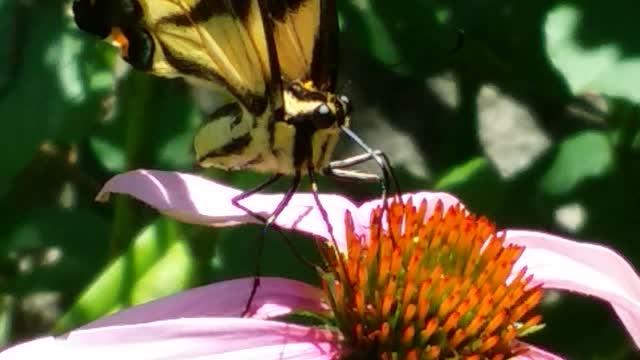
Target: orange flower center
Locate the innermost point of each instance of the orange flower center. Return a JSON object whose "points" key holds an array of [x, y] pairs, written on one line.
{"points": [[441, 287]]}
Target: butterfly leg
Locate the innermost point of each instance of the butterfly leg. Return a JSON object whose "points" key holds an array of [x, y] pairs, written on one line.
{"points": [[336, 168], [236, 199], [268, 222], [388, 174], [316, 197]]}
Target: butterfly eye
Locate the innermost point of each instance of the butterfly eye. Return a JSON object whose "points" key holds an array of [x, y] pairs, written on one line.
{"points": [[323, 117], [323, 109], [139, 49]]}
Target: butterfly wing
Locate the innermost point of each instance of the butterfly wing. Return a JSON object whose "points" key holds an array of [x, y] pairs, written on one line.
{"points": [[305, 35], [229, 43], [211, 42], [252, 48]]}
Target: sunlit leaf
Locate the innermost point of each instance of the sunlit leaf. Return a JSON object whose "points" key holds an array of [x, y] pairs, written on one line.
{"points": [[112, 157], [603, 69], [461, 174], [476, 181], [581, 157], [158, 263], [6, 316], [64, 248], [154, 122], [72, 77]]}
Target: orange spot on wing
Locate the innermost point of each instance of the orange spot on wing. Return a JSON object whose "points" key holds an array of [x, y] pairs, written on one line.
{"points": [[119, 40]]}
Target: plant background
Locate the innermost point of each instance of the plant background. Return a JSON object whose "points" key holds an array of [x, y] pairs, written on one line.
{"points": [[533, 121]]}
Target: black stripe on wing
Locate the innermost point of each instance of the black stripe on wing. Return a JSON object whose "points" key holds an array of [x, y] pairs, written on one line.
{"points": [[235, 147], [275, 83], [279, 8], [256, 104], [324, 63], [203, 10]]}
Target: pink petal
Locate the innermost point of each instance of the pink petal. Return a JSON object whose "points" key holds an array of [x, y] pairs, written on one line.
{"points": [[534, 353], [199, 338], [194, 199], [432, 198], [274, 297], [587, 269]]}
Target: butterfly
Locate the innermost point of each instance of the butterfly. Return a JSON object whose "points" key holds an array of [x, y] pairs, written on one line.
{"points": [[277, 61]]}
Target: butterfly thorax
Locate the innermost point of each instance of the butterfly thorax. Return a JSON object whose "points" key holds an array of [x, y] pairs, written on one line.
{"points": [[301, 134]]}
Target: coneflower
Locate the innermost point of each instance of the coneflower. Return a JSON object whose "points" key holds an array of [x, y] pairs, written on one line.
{"points": [[435, 282]]}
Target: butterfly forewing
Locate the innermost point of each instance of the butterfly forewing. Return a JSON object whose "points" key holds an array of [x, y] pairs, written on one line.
{"points": [[221, 41], [226, 42]]}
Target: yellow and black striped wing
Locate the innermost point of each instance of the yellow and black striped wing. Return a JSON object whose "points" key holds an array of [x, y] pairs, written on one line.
{"points": [[305, 35], [229, 43], [220, 42]]}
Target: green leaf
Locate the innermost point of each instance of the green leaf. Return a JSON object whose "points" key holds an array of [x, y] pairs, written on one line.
{"points": [[588, 154], [65, 247], [458, 175], [402, 36], [112, 157], [236, 254], [363, 22], [53, 80], [603, 69], [153, 125], [477, 183], [158, 263], [7, 309]]}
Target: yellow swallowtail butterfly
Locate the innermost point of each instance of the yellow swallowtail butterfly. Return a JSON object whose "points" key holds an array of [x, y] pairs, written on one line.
{"points": [[277, 58]]}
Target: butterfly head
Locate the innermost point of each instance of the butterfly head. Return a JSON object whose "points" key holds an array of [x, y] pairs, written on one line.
{"points": [[305, 104], [120, 22], [100, 16]]}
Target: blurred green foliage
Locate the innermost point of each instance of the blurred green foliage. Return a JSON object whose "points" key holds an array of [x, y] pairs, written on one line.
{"points": [[536, 115]]}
